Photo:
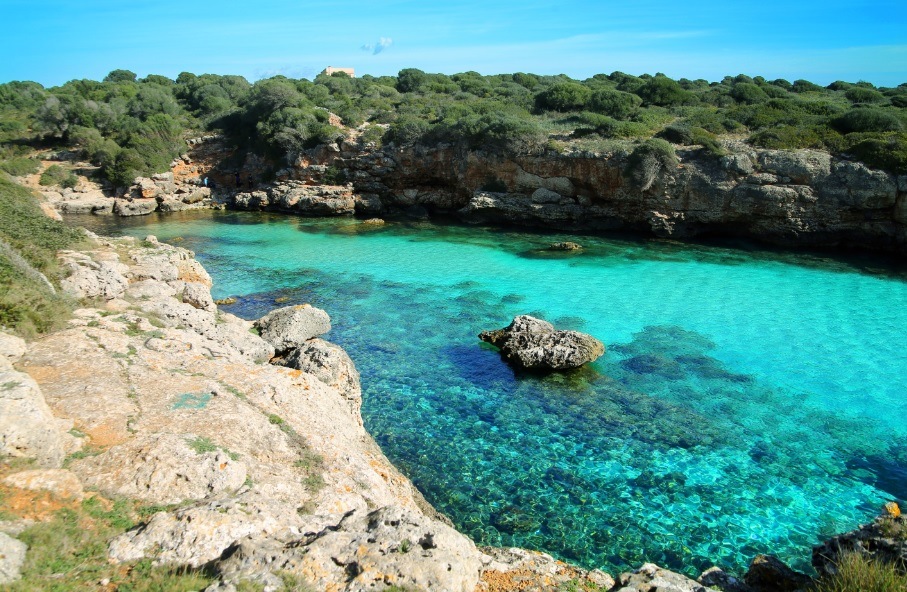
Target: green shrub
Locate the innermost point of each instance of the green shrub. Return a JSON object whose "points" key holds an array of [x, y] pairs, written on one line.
{"points": [[407, 129], [20, 166], [802, 86], [650, 158], [868, 119], [747, 92], [882, 151], [663, 91], [57, 175], [615, 103], [787, 137], [563, 97], [857, 94], [857, 573]]}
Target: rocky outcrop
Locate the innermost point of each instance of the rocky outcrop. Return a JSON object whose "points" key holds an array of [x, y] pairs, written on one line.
{"points": [[770, 574], [534, 344], [387, 547], [177, 407], [795, 198], [298, 198], [12, 556], [28, 428], [884, 540], [290, 327], [651, 578], [331, 365], [511, 569]]}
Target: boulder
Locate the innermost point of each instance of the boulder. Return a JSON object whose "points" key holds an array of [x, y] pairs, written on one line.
{"points": [[769, 574], [92, 279], [535, 344], [543, 196], [28, 429], [12, 556], [136, 207], [718, 579], [651, 578], [11, 347], [103, 205], [290, 327], [331, 365]]}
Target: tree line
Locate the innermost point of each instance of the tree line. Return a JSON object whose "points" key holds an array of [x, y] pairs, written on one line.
{"points": [[130, 126]]}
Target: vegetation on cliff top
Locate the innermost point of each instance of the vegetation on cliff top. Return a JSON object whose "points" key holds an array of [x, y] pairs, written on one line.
{"points": [[133, 126]]}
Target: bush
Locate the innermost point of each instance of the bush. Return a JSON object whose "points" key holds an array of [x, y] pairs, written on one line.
{"points": [[57, 175], [857, 94], [885, 151], [749, 93], [563, 97], [856, 573], [407, 129], [868, 120], [615, 103], [788, 137], [802, 86], [20, 166], [664, 92], [650, 158]]}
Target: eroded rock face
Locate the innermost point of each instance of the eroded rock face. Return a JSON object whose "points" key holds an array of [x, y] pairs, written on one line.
{"points": [[163, 468], [534, 344], [331, 365], [28, 428], [387, 547], [290, 327]]}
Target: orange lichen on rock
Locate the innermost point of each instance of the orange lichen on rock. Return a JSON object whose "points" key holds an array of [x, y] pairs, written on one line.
{"points": [[893, 509]]}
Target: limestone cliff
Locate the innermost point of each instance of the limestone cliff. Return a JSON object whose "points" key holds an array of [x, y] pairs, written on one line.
{"points": [[795, 198]]}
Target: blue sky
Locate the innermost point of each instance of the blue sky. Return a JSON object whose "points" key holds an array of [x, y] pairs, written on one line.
{"points": [[52, 41]]}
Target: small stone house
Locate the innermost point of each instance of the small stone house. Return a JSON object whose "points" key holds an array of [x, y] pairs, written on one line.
{"points": [[331, 69]]}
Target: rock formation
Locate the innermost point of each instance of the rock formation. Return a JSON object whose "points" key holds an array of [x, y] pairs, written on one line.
{"points": [[794, 198], [534, 344], [178, 407], [884, 539]]}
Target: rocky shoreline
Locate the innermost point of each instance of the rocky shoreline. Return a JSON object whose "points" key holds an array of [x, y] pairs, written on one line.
{"points": [[800, 198], [260, 469]]}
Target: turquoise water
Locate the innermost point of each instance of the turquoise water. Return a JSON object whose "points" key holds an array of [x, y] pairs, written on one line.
{"points": [[748, 401]]}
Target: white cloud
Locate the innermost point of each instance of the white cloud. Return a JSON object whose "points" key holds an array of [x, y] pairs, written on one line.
{"points": [[376, 48]]}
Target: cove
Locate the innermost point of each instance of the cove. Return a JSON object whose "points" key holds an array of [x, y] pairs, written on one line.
{"points": [[749, 401]]}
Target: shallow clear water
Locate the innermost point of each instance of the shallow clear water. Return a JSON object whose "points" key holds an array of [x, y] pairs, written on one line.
{"points": [[748, 401]]}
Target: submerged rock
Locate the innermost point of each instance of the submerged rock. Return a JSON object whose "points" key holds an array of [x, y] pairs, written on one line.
{"points": [[535, 344], [565, 246]]}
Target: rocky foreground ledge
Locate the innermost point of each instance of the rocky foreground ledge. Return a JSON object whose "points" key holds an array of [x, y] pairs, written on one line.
{"points": [[248, 438]]}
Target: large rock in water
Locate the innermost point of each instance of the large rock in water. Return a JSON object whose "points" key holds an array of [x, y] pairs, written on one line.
{"points": [[290, 327], [534, 344]]}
